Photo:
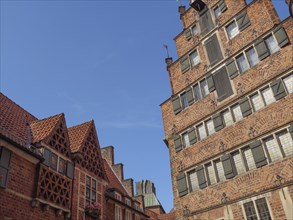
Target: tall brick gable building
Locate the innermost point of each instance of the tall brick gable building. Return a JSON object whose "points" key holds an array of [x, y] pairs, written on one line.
{"points": [[228, 123]]}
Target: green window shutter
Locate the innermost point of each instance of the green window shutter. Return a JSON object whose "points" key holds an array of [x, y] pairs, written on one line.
{"points": [[258, 154], [210, 81], [47, 157], [228, 165], [192, 136], [261, 49], [184, 63], [245, 107], [213, 50], [5, 157], [201, 177], [218, 121], [281, 36], [222, 84], [243, 21], [178, 143], [278, 89], [189, 96], [181, 184], [232, 69], [188, 34], [176, 105], [222, 6], [69, 169], [205, 21]]}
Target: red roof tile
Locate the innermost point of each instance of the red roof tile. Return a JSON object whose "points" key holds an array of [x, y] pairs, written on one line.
{"points": [[77, 135]]}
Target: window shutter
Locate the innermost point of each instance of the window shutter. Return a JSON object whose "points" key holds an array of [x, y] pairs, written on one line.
{"points": [[258, 154], [218, 121], [232, 69], [228, 166], [213, 50], [281, 36], [222, 6], [291, 130], [222, 84], [176, 105], [201, 177], [184, 63], [211, 84], [181, 184], [5, 158], [192, 136], [189, 96], [261, 49], [243, 21], [245, 107], [188, 34], [205, 21], [178, 143], [47, 157], [69, 169], [278, 89]]}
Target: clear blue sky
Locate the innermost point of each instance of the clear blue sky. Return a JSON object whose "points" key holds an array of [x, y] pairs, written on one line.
{"points": [[101, 60]]}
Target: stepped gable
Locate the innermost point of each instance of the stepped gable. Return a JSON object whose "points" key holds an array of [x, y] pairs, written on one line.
{"points": [[14, 120], [84, 139]]}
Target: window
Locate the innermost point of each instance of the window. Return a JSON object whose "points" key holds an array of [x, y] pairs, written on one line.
{"points": [[194, 30], [217, 11], [205, 21], [237, 112], [211, 173], [242, 63], [118, 213], [222, 84], [194, 58], [273, 148], [193, 181], [201, 131], [286, 142], [232, 30], [210, 127], [220, 171], [91, 191], [227, 117], [185, 138], [257, 102], [213, 50], [252, 57], [118, 196], [137, 217], [128, 215], [54, 161], [257, 210], [204, 88], [197, 93], [272, 44], [250, 164], [128, 201], [268, 95], [238, 162], [184, 102], [61, 166], [289, 83], [5, 157]]}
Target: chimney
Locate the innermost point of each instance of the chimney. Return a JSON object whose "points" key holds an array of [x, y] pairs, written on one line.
{"points": [[128, 184], [118, 169], [181, 10], [169, 61], [108, 154]]}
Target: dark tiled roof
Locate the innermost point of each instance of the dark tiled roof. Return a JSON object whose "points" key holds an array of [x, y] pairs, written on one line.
{"points": [[77, 135]]}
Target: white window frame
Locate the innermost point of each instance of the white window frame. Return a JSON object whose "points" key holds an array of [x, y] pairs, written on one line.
{"points": [[226, 29], [286, 86], [254, 204], [190, 60], [118, 212], [267, 45]]}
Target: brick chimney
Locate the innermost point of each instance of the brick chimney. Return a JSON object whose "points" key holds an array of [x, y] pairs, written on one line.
{"points": [[128, 184], [118, 169], [108, 154]]}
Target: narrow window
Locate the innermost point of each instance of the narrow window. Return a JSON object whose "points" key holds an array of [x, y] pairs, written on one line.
{"points": [[237, 112], [220, 171], [194, 58], [210, 127], [268, 95], [249, 159], [5, 159], [250, 211], [238, 162], [61, 166], [242, 63], [232, 30], [227, 118], [204, 88], [252, 57], [88, 191], [94, 191], [286, 142], [184, 101], [202, 131], [272, 44], [273, 148], [211, 174], [205, 22], [262, 209], [118, 213], [197, 94], [217, 11], [257, 102], [213, 50], [194, 30], [193, 181], [289, 83], [185, 138], [128, 215], [54, 161], [222, 84]]}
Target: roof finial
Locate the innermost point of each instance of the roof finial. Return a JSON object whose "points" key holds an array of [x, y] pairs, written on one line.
{"points": [[166, 46]]}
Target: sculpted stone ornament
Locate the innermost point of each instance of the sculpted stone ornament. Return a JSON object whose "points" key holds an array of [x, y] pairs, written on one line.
{"points": [[240, 88], [180, 166], [186, 212], [252, 132], [222, 146]]}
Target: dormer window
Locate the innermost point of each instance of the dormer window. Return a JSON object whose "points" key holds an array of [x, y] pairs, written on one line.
{"points": [[118, 196], [198, 5]]}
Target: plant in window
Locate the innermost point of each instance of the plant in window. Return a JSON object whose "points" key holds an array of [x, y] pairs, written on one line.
{"points": [[93, 210]]}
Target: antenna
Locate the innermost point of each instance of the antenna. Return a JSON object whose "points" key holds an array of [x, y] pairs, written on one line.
{"points": [[166, 46]]}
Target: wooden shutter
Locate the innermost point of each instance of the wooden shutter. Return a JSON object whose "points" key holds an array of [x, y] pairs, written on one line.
{"points": [[192, 135], [218, 121], [201, 177], [261, 49], [213, 50], [178, 143], [189, 96], [243, 21], [205, 21], [181, 184], [278, 89], [176, 104], [222, 84], [281, 36], [188, 34], [232, 69], [228, 165], [184, 63], [222, 6], [47, 157], [258, 154], [69, 169], [245, 107], [5, 157], [210, 81]]}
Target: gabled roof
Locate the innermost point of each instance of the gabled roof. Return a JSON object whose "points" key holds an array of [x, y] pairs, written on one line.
{"points": [[77, 135], [14, 120]]}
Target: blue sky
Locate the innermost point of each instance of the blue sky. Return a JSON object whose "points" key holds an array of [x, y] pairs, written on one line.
{"points": [[101, 60]]}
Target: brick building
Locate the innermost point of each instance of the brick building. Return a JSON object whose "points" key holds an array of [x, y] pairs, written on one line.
{"points": [[228, 123], [49, 171]]}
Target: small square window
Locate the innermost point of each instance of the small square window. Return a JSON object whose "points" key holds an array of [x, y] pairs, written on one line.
{"points": [[272, 44], [202, 131], [237, 112], [54, 161], [227, 118], [252, 57], [268, 95], [197, 94], [204, 88], [193, 181], [194, 58], [184, 101], [242, 63], [273, 148], [289, 83], [286, 142], [217, 11], [232, 30], [257, 102], [194, 30], [210, 127], [185, 138]]}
